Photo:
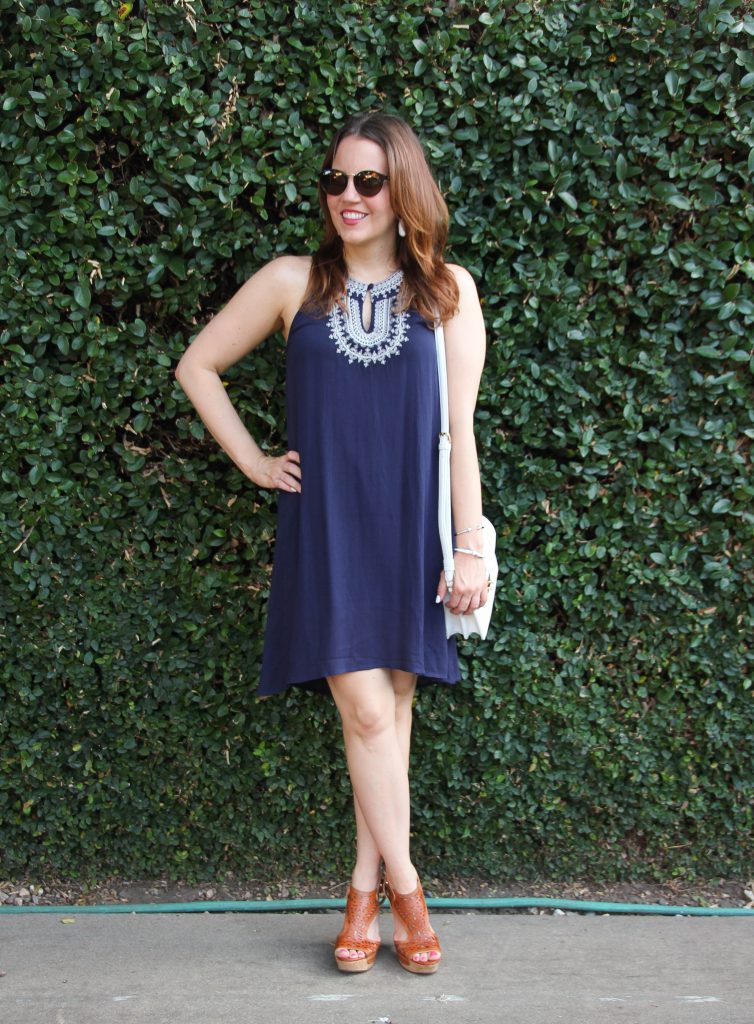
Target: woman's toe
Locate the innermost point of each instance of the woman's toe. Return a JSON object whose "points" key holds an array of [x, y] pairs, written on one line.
{"points": [[426, 956]]}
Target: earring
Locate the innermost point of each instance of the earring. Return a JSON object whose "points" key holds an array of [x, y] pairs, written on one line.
{"points": [[401, 229]]}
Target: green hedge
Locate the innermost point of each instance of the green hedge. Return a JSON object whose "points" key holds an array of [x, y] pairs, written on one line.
{"points": [[597, 159]]}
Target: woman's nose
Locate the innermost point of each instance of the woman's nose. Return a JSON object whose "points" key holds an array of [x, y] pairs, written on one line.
{"points": [[350, 193]]}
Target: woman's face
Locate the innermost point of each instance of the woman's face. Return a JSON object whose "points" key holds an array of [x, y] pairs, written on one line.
{"points": [[361, 219]]}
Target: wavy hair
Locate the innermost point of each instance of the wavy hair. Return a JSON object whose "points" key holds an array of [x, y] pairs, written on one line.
{"points": [[428, 285]]}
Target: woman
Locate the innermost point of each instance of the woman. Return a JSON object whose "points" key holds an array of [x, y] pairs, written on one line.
{"points": [[357, 584]]}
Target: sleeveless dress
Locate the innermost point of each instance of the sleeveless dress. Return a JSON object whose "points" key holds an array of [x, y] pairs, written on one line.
{"points": [[357, 555]]}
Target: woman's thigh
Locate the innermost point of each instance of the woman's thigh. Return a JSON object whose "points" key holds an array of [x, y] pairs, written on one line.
{"points": [[404, 684]]}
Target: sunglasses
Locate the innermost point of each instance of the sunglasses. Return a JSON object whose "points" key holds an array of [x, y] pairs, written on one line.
{"points": [[366, 183]]}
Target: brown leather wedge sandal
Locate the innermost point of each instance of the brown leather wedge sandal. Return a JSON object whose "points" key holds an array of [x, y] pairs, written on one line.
{"points": [[361, 909], [411, 908]]}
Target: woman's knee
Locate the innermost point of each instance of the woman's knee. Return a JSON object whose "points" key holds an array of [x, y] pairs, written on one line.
{"points": [[369, 718], [367, 708]]}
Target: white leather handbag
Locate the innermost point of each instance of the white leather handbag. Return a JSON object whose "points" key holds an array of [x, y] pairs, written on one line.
{"points": [[477, 621]]}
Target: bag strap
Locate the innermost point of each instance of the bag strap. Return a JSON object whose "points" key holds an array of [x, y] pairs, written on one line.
{"points": [[444, 520]]}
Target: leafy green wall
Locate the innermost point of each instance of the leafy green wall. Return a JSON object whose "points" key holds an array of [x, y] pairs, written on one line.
{"points": [[597, 159]]}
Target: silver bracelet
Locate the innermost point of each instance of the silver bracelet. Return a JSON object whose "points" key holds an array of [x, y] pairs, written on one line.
{"points": [[470, 529], [469, 551]]}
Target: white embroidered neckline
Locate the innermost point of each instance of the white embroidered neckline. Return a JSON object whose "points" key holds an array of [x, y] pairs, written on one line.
{"points": [[388, 329], [389, 284]]}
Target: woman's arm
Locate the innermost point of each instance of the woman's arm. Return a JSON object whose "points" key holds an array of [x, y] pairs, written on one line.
{"points": [[465, 349], [264, 304]]}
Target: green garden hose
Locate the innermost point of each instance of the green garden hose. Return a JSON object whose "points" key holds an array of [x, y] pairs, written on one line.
{"points": [[436, 903]]}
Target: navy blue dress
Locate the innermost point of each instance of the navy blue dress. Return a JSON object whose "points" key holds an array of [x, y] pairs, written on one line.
{"points": [[357, 555]]}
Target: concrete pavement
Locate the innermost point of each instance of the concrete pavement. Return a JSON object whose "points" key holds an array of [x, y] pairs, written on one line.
{"points": [[249, 968]]}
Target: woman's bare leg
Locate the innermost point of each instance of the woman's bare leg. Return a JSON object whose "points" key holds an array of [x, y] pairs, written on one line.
{"points": [[376, 709], [366, 871], [405, 688]]}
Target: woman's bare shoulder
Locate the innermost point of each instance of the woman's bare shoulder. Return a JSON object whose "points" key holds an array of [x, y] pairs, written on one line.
{"points": [[465, 330], [288, 277], [464, 280], [295, 265], [289, 271]]}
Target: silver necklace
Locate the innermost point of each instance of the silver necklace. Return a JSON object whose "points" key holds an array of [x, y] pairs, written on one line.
{"points": [[388, 329]]}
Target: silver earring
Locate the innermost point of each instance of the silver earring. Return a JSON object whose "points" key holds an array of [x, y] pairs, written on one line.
{"points": [[401, 229]]}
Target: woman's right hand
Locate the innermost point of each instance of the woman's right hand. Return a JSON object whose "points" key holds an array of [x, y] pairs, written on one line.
{"points": [[282, 473]]}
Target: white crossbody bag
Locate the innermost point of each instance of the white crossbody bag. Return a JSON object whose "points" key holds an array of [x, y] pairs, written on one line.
{"points": [[477, 621]]}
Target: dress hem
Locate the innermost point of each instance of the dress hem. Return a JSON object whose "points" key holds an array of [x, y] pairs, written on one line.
{"points": [[317, 683]]}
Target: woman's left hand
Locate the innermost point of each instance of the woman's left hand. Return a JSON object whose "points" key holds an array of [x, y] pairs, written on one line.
{"points": [[469, 585]]}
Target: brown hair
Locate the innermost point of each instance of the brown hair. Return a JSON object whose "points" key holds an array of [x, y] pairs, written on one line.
{"points": [[428, 285]]}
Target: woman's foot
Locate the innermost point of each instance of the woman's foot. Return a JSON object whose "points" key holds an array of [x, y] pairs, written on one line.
{"points": [[359, 939], [416, 943]]}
